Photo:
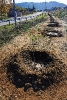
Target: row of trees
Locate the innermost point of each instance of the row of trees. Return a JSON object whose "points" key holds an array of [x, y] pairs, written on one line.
{"points": [[5, 5]]}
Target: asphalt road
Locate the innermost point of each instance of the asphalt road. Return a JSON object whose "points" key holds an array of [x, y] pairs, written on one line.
{"points": [[19, 19]]}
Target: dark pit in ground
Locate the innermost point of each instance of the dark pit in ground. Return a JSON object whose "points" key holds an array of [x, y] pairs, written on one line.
{"points": [[40, 57], [36, 59], [53, 24], [43, 70], [28, 80], [54, 33]]}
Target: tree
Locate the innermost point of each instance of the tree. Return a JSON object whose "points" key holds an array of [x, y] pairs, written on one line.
{"points": [[5, 6], [33, 8]]}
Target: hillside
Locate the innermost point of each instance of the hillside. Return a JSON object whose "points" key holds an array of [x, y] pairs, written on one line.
{"points": [[41, 5]]}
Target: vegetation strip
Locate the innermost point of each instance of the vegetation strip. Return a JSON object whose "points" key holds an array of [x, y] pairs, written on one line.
{"points": [[8, 32]]}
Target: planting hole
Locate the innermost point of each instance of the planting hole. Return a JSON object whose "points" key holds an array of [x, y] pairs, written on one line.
{"points": [[36, 59], [39, 75], [53, 24], [54, 34]]}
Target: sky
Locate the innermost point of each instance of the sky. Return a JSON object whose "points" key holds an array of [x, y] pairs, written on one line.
{"points": [[61, 1]]}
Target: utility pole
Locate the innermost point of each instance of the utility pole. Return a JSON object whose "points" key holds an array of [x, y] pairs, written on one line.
{"points": [[14, 11], [45, 5], [28, 8]]}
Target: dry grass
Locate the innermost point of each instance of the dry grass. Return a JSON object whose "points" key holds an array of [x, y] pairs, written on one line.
{"points": [[25, 84]]}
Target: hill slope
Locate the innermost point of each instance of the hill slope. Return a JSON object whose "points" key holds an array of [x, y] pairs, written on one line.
{"points": [[41, 5]]}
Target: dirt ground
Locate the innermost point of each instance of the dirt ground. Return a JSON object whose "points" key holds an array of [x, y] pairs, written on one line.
{"points": [[56, 46]]}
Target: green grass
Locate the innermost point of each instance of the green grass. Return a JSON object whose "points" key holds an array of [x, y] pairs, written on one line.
{"points": [[35, 38], [7, 33]]}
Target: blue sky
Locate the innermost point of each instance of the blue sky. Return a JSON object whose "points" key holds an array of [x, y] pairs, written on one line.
{"points": [[62, 1]]}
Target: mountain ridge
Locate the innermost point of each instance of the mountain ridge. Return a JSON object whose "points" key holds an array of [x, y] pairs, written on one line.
{"points": [[40, 5]]}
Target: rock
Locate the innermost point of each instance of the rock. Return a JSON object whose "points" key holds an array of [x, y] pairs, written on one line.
{"points": [[38, 66]]}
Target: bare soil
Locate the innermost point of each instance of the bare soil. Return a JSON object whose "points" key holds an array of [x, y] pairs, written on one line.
{"points": [[19, 80]]}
